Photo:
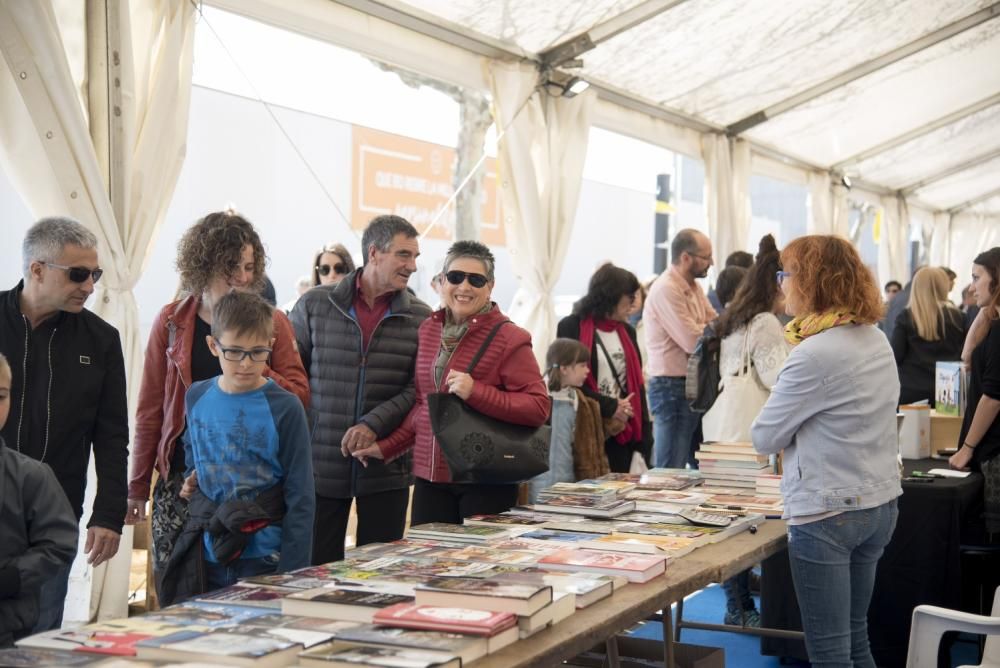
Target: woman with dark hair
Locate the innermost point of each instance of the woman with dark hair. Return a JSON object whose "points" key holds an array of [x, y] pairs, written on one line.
{"points": [[504, 385], [220, 253], [750, 332], [600, 322], [832, 412], [330, 264], [980, 436]]}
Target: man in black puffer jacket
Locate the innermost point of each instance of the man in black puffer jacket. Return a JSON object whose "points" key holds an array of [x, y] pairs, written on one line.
{"points": [[358, 341]]}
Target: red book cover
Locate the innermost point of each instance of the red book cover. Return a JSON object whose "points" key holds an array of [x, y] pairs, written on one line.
{"points": [[439, 618], [112, 642]]}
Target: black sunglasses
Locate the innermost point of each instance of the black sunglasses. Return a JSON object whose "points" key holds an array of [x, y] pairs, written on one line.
{"points": [[77, 274], [455, 277], [325, 269]]}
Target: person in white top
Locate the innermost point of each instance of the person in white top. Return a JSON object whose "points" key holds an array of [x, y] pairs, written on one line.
{"points": [[753, 350]]}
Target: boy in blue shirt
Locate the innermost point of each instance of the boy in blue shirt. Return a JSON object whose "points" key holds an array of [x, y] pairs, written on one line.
{"points": [[247, 449]]}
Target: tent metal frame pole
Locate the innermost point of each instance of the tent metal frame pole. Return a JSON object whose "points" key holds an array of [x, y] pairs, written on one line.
{"points": [[899, 140], [437, 28], [573, 47], [865, 68], [974, 201], [954, 169]]}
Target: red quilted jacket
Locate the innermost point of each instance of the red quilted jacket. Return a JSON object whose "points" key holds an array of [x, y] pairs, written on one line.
{"points": [[508, 386]]}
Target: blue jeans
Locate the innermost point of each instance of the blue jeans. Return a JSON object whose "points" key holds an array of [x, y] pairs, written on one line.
{"points": [[52, 600], [223, 575], [833, 567], [674, 423]]}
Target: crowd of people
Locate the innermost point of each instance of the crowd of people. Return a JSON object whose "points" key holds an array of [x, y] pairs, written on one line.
{"points": [[257, 430]]}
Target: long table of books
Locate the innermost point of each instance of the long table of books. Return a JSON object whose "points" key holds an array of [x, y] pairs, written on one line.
{"points": [[533, 586]]}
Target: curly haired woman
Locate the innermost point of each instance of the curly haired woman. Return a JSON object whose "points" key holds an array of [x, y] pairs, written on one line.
{"points": [[219, 253], [833, 413]]}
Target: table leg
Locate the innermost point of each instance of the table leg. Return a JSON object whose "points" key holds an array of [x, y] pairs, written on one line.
{"points": [[611, 652], [678, 622], [668, 638]]}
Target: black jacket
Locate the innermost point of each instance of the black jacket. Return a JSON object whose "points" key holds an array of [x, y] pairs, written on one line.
{"points": [[68, 395], [349, 387], [916, 357], [39, 536], [569, 328]]}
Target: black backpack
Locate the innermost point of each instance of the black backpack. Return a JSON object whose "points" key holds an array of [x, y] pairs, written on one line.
{"points": [[701, 385]]}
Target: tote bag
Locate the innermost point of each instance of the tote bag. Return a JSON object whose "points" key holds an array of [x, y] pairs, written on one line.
{"points": [[738, 405]]}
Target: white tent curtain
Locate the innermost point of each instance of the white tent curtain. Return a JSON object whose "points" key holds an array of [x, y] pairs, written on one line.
{"points": [[970, 235], [47, 150], [727, 192], [828, 206], [541, 167], [894, 246]]}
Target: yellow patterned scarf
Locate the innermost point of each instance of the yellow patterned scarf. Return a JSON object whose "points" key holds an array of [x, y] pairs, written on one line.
{"points": [[811, 324]]}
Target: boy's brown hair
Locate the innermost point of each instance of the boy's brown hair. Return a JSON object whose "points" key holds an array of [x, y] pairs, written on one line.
{"points": [[243, 313]]}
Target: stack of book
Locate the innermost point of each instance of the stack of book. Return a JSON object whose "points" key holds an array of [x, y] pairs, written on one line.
{"points": [[732, 465], [659, 478], [464, 533], [769, 485]]}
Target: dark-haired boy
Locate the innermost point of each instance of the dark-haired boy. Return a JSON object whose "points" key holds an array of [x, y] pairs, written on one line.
{"points": [[250, 485], [38, 527]]}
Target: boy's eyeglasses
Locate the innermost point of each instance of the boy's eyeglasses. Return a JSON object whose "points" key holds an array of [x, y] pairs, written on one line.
{"points": [[325, 269], [455, 277], [239, 354], [77, 274], [782, 275]]}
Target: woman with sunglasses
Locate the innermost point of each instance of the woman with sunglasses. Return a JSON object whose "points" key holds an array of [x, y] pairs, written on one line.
{"points": [[331, 263], [507, 386], [832, 411], [600, 322], [220, 253]]}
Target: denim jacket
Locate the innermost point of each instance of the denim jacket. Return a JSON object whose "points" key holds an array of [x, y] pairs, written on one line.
{"points": [[833, 412]]}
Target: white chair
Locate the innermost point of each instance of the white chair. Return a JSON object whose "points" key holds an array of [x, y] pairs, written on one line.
{"points": [[931, 622]]}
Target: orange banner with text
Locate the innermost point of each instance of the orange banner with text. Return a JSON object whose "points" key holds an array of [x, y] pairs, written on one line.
{"points": [[414, 179]]}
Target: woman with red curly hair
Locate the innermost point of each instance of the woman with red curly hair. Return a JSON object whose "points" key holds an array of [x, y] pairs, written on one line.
{"points": [[832, 412], [220, 253]]}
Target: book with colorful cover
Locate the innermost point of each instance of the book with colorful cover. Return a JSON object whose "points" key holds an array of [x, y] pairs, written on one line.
{"points": [[468, 647], [493, 556], [745, 501], [249, 647], [443, 618], [670, 546], [588, 588], [667, 496], [115, 637], [581, 506], [340, 604], [342, 655], [948, 388], [264, 596], [634, 567], [505, 520], [204, 614], [464, 533], [485, 594], [31, 657]]}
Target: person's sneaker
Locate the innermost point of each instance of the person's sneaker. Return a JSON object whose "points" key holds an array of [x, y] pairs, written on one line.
{"points": [[745, 618]]}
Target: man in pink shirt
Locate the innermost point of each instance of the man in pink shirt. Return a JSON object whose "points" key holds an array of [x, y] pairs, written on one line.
{"points": [[675, 315]]}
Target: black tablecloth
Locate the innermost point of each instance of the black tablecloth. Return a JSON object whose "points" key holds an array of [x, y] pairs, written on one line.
{"points": [[920, 565]]}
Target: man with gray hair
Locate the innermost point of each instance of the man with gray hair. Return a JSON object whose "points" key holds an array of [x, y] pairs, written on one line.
{"points": [[358, 341], [676, 313], [68, 391]]}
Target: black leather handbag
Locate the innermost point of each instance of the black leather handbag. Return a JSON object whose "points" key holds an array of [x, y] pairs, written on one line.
{"points": [[481, 449]]}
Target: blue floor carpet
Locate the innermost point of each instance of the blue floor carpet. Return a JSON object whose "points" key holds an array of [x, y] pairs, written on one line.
{"points": [[743, 651]]}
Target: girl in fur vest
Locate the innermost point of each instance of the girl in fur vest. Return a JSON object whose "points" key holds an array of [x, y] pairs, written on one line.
{"points": [[576, 451]]}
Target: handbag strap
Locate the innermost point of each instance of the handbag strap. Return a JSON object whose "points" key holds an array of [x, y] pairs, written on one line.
{"points": [[486, 344]]}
